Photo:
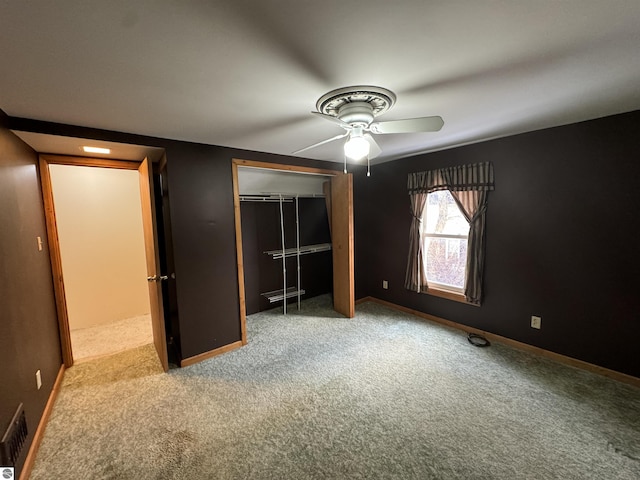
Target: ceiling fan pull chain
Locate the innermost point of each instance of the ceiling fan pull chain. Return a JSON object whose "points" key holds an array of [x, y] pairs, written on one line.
{"points": [[368, 167], [345, 164]]}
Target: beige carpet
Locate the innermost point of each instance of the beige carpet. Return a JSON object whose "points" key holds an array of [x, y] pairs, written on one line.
{"points": [[94, 342], [317, 396]]}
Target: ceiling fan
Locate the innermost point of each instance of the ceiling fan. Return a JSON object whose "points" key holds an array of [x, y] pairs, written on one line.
{"points": [[354, 109]]}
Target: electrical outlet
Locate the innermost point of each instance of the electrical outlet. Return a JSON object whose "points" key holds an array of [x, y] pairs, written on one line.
{"points": [[38, 379], [385, 284], [536, 322]]}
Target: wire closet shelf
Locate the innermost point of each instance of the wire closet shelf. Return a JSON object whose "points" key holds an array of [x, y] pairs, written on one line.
{"points": [[283, 253]]}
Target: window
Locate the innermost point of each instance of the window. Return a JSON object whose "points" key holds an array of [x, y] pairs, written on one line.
{"points": [[444, 237], [440, 201]]}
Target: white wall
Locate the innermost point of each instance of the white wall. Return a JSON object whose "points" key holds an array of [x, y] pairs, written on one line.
{"points": [[261, 181], [101, 244]]}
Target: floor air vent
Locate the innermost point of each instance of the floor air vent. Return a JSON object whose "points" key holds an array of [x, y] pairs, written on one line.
{"points": [[14, 438]]}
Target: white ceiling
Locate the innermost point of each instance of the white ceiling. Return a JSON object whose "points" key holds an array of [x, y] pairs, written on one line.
{"points": [[59, 145], [246, 73]]}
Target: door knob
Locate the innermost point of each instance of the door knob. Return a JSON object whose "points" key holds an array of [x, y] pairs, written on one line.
{"points": [[157, 278]]}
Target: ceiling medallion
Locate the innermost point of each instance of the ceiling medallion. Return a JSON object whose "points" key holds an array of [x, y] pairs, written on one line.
{"points": [[380, 99]]}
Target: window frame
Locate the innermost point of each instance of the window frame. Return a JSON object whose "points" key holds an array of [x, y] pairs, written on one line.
{"points": [[438, 289]]}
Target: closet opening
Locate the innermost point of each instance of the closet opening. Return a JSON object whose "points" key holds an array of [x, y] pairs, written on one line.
{"points": [[294, 236]]}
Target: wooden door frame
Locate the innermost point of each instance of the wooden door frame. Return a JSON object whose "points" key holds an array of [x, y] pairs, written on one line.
{"points": [[238, 223], [44, 161]]}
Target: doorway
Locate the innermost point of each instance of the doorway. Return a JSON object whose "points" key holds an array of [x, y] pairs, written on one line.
{"points": [[99, 221], [110, 284], [339, 195]]}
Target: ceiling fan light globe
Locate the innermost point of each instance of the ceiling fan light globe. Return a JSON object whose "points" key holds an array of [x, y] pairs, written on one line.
{"points": [[356, 148]]}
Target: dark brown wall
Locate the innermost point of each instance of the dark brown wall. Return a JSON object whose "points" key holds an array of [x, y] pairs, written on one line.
{"points": [[28, 324], [561, 227], [202, 227], [362, 214], [202, 224]]}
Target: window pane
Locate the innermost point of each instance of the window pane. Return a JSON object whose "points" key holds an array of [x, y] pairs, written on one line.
{"points": [[446, 260], [443, 215]]}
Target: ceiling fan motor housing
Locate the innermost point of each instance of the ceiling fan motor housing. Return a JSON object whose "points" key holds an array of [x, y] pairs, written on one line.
{"points": [[356, 113]]}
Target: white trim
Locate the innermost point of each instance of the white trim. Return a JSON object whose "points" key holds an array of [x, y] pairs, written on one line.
{"points": [[445, 287], [444, 235]]}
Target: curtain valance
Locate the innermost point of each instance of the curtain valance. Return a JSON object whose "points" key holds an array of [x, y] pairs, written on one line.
{"points": [[476, 176]]}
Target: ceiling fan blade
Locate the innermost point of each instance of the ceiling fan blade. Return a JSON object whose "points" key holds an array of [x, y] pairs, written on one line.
{"points": [[333, 119], [337, 137], [409, 125], [375, 149]]}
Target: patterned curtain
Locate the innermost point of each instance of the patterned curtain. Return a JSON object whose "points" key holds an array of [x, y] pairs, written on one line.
{"points": [[468, 185], [416, 278]]}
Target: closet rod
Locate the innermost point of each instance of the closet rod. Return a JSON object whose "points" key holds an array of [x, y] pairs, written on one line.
{"points": [[275, 197], [291, 195], [264, 199]]}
